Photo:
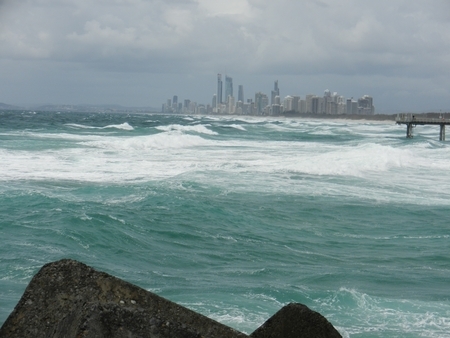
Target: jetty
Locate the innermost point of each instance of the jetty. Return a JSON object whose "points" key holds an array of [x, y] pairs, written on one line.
{"points": [[412, 121]]}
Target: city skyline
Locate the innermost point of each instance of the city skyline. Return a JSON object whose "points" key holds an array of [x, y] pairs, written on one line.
{"points": [[223, 102]]}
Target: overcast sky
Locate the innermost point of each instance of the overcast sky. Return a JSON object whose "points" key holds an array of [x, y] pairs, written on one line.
{"points": [[142, 52]]}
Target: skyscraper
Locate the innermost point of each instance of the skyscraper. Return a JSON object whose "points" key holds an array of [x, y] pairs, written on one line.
{"points": [[241, 93], [219, 89], [275, 92], [175, 103], [228, 87], [296, 103], [308, 99], [261, 101]]}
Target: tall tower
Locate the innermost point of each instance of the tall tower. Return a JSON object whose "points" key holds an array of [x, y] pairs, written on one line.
{"points": [[241, 93], [275, 92], [175, 103], [228, 87], [219, 89]]}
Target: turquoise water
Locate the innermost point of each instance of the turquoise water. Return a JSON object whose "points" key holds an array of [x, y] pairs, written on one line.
{"points": [[234, 217]]}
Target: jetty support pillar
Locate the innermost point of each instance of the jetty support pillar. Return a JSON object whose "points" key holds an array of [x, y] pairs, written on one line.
{"points": [[409, 128], [442, 133]]}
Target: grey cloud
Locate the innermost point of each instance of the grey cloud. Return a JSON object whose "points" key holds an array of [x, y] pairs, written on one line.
{"points": [[351, 40]]}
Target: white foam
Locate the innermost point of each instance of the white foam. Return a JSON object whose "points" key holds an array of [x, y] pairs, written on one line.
{"points": [[201, 129], [106, 158], [236, 126], [238, 317], [123, 126], [380, 170], [387, 317], [173, 140], [351, 161], [81, 126], [50, 136], [259, 166]]}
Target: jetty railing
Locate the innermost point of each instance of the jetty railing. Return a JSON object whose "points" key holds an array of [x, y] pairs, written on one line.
{"points": [[411, 121]]}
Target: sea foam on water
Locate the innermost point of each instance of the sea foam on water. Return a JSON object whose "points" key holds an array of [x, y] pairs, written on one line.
{"points": [[236, 216]]}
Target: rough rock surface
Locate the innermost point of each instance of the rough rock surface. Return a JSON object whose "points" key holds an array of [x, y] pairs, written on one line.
{"points": [[69, 299], [296, 320]]}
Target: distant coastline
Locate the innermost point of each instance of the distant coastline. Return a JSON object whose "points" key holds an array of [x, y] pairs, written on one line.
{"points": [[151, 110], [374, 117]]}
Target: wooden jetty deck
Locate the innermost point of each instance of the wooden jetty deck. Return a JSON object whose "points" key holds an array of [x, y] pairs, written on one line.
{"points": [[411, 121]]}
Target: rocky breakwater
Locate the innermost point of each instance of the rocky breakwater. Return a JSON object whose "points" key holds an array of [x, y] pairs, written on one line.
{"points": [[69, 299]]}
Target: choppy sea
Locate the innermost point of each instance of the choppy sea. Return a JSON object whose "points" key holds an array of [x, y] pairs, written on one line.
{"points": [[235, 217]]}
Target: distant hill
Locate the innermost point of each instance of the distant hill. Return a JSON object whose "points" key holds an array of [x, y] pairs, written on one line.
{"points": [[4, 106]]}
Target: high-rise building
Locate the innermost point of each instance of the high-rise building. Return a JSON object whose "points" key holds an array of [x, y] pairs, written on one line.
{"points": [[332, 108], [308, 99], [275, 92], [214, 101], [365, 105], [175, 104], [228, 87], [276, 109], [261, 102], [287, 103], [348, 107], [302, 106], [321, 105], [295, 103], [241, 93], [354, 107], [315, 105], [186, 105], [230, 105], [219, 89]]}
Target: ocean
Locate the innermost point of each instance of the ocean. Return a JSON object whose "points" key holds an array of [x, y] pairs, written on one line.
{"points": [[236, 216]]}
